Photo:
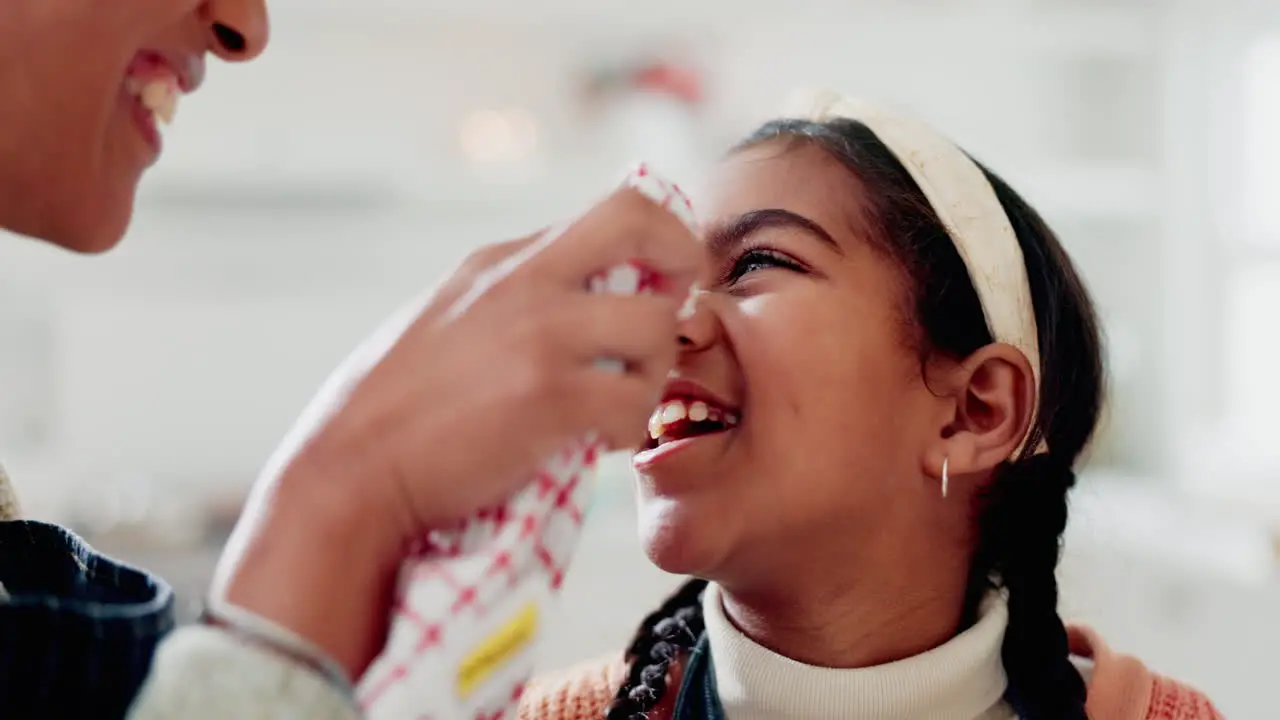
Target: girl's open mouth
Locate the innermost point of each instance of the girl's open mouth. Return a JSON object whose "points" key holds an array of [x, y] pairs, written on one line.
{"points": [[681, 418]]}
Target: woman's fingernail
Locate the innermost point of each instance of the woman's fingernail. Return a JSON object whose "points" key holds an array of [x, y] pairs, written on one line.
{"points": [[666, 194], [690, 304]]}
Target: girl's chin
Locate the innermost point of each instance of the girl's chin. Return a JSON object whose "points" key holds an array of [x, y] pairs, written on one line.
{"points": [[678, 539]]}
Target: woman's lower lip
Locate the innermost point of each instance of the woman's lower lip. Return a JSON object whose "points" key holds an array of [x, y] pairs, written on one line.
{"points": [[646, 459]]}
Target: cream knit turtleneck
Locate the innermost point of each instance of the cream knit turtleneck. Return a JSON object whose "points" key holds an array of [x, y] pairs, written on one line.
{"points": [[962, 679]]}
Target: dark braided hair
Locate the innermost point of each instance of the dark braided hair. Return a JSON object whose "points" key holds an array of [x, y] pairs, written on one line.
{"points": [[1022, 514], [674, 628]]}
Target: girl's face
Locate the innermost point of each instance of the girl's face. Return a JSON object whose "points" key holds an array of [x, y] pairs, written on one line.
{"points": [[73, 139], [805, 337]]}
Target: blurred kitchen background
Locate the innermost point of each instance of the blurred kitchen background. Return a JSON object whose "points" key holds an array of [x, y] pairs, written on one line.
{"points": [[303, 197]]}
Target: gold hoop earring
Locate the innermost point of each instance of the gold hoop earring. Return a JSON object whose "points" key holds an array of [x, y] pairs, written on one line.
{"points": [[944, 477]]}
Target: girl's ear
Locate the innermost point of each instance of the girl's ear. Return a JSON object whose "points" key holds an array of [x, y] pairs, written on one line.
{"points": [[994, 392]]}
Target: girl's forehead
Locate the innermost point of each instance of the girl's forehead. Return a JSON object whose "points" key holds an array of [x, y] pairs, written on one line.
{"points": [[795, 176]]}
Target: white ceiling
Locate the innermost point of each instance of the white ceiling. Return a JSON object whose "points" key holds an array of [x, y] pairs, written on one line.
{"points": [[630, 16]]}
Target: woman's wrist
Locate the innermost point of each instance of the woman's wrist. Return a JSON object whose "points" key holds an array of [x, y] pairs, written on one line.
{"points": [[277, 640], [322, 562]]}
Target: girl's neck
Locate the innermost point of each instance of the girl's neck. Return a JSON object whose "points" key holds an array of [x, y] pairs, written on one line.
{"points": [[825, 619]]}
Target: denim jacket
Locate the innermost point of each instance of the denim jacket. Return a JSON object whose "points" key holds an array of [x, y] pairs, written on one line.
{"points": [[698, 698]]}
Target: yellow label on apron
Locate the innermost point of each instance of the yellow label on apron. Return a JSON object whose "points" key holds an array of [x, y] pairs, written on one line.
{"points": [[497, 649]]}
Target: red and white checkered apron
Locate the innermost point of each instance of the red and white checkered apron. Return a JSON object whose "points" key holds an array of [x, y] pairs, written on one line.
{"points": [[471, 603]]}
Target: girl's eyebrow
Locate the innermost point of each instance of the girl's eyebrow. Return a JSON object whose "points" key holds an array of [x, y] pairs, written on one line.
{"points": [[723, 236]]}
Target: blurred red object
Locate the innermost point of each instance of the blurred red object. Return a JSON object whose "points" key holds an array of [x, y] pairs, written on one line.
{"points": [[681, 82]]}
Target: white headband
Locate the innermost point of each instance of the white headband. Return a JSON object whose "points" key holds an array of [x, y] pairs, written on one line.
{"points": [[968, 207]]}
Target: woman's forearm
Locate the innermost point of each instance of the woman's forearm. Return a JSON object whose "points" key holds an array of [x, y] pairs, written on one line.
{"points": [[319, 567]]}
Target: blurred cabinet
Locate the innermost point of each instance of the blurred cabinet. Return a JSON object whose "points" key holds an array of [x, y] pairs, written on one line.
{"points": [[26, 379], [1219, 635]]}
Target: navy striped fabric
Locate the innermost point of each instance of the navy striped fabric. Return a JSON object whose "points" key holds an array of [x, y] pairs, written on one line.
{"points": [[77, 629]]}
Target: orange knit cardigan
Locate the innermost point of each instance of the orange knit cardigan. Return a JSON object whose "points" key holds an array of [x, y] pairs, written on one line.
{"points": [[1121, 688]]}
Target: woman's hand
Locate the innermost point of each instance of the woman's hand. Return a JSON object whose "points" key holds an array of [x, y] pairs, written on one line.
{"points": [[447, 409]]}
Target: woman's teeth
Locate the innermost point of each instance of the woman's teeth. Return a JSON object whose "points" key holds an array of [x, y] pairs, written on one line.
{"points": [[159, 96], [669, 419]]}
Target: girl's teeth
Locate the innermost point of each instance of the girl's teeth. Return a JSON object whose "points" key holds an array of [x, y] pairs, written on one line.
{"points": [[698, 411], [673, 412]]}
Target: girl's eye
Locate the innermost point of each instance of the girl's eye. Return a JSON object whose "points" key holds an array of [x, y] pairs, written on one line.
{"points": [[760, 259]]}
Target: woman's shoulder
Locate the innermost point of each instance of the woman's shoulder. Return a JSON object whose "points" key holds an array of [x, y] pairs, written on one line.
{"points": [[1121, 687], [9, 508]]}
